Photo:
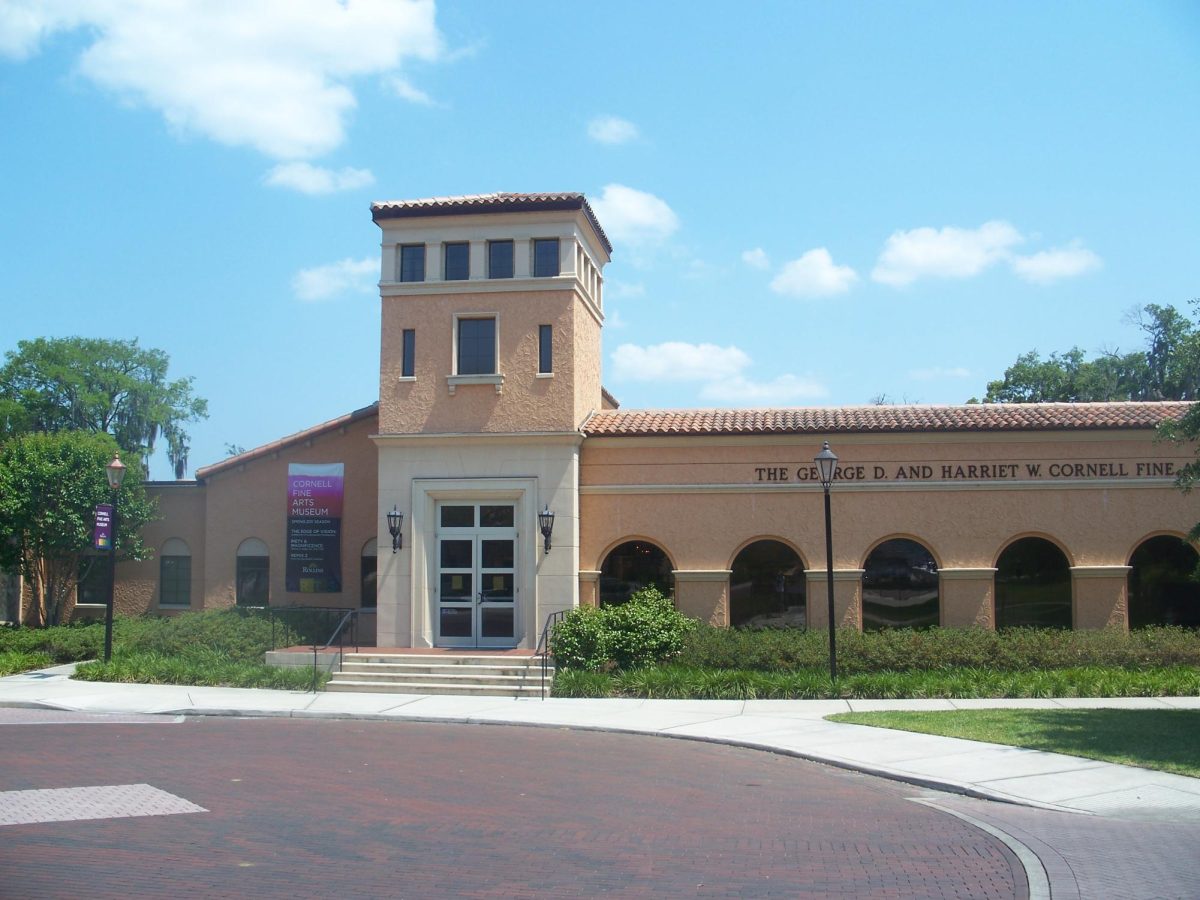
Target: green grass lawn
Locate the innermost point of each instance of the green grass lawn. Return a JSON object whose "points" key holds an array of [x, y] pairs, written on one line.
{"points": [[1164, 739]]}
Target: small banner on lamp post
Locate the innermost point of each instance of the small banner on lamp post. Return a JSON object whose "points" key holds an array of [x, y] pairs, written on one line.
{"points": [[102, 532]]}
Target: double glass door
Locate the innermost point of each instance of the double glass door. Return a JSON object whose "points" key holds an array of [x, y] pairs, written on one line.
{"points": [[476, 575]]}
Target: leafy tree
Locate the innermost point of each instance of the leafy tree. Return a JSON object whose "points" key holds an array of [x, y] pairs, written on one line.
{"points": [[50, 485], [1185, 430], [91, 384], [1168, 369]]}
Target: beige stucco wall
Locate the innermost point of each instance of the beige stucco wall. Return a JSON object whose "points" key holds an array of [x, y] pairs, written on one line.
{"points": [[701, 500], [526, 401], [250, 501], [181, 513]]}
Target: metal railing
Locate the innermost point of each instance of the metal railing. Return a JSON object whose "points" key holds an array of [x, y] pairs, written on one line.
{"points": [[543, 644]]}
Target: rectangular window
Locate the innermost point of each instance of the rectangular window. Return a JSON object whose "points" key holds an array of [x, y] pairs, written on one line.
{"points": [[457, 263], [412, 262], [408, 358], [476, 346], [369, 566], [175, 581], [500, 259], [545, 349], [92, 588], [545, 257], [253, 579]]}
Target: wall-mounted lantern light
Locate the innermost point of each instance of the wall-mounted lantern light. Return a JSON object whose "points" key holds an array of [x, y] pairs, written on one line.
{"points": [[395, 520], [546, 523]]}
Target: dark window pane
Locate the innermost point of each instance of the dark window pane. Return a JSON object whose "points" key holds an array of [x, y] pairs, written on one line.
{"points": [[456, 622], [369, 569], [457, 587], [408, 359], [93, 580], [497, 554], [412, 262], [545, 257], [253, 580], [175, 581], [458, 517], [476, 346], [1161, 588], [456, 554], [457, 263], [900, 587], [632, 566], [496, 516], [497, 622], [545, 349], [1033, 586], [500, 259], [767, 588], [497, 587]]}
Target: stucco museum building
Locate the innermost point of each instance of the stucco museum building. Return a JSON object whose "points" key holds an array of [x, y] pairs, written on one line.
{"points": [[491, 411]]}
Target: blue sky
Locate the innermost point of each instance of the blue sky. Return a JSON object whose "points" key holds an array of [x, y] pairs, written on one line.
{"points": [[811, 204]]}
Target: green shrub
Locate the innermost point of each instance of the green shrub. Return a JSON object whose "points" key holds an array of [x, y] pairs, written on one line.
{"points": [[14, 661], [643, 631]]}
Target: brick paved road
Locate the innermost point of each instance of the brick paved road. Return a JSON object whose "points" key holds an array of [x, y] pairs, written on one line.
{"points": [[370, 809]]}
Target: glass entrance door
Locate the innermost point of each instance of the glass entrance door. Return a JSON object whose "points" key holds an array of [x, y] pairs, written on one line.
{"points": [[476, 575]]}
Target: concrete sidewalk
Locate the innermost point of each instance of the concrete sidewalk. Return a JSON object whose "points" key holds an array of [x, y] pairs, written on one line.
{"points": [[793, 727]]}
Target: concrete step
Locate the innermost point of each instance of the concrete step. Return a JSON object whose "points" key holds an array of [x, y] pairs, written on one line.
{"points": [[431, 668], [445, 659], [465, 678], [532, 689]]}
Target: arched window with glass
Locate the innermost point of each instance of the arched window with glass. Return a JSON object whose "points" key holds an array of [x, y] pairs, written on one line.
{"points": [[1033, 585], [767, 587], [631, 566], [900, 587], [175, 574], [1163, 589], [253, 577], [367, 572]]}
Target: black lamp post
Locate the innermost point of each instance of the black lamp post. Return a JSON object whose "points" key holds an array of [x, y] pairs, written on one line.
{"points": [[116, 474], [395, 521], [826, 462], [546, 524]]}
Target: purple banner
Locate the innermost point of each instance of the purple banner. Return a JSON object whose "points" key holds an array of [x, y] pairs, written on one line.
{"points": [[314, 528], [102, 532]]}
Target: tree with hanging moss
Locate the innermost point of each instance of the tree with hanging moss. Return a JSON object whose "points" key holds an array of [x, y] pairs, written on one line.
{"points": [[91, 384], [50, 485]]}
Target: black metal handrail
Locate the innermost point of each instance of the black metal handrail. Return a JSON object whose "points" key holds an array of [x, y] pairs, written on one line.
{"points": [[543, 644], [281, 614]]}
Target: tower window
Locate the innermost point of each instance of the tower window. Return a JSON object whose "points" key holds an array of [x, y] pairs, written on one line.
{"points": [[408, 359], [477, 346], [457, 263], [500, 259], [545, 349], [545, 257], [412, 262]]}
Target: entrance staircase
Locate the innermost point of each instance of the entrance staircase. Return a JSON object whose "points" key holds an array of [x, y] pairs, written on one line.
{"points": [[475, 675]]}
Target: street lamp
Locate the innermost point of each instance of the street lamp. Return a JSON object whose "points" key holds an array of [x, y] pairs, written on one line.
{"points": [[116, 474], [826, 462]]}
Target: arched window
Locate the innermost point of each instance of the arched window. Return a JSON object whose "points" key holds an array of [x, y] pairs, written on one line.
{"points": [[252, 586], [175, 574], [631, 567], [766, 588], [1033, 585], [1161, 588], [368, 569], [900, 587]]}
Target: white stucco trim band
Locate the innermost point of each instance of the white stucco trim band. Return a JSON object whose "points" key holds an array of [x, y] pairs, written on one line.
{"points": [[861, 486], [1100, 571]]}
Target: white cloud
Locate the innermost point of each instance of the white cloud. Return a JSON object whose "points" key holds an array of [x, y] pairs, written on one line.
{"points": [[944, 253], [814, 275], [621, 290], [310, 179], [756, 258], [1059, 262], [406, 90], [614, 319], [677, 361], [633, 216], [786, 390], [612, 130], [274, 75], [935, 372], [329, 281]]}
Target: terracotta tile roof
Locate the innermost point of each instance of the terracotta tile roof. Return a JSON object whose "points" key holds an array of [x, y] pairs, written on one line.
{"points": [[486, 203], [298, 437], [868, 419]]}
